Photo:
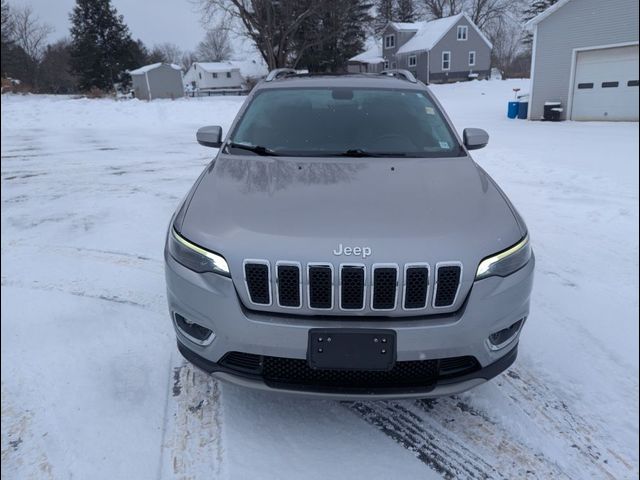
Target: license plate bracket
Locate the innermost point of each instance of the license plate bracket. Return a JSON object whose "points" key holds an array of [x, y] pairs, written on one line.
{"points": [[351, 349]]}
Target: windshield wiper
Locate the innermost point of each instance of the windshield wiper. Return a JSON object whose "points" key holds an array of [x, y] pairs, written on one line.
{"points": [[358, 152], [257, 149]]}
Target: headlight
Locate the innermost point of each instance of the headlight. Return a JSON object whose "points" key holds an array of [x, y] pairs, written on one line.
{"points": [[194, 257], [506, 262]]}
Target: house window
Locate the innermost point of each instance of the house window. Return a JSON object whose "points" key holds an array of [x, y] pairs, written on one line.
{"points": [[462, 32], [386, 64], [200, 75], [413, 61], [228, 74], [389, 41], [446, 60], [393, 65], [215, 75], [472, 58]]}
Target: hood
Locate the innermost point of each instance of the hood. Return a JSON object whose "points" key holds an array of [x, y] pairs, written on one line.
{"points": [[301, 209]]}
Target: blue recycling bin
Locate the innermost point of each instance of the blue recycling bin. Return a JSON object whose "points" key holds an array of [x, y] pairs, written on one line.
{"points": [[512, 110], [523, 108]]}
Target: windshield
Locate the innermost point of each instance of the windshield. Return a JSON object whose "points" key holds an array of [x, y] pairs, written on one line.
{"points": [[343, 122]]}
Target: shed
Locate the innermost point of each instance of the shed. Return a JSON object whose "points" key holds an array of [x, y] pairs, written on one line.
{"points": [[585, 56], [159, 80]]}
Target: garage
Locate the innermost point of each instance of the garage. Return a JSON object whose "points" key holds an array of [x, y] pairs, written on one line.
{"points": [[606, 84], [584, 60]]}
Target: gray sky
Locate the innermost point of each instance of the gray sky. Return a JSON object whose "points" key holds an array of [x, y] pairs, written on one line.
{"points": [[153, 21]]}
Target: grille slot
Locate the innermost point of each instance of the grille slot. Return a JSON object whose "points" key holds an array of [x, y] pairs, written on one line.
{"points": [[447, 285], [457, 365], [320, 286], [289, 285], [416, 287], [247, 362], [352, 287], [257, 277], [385, 282]]}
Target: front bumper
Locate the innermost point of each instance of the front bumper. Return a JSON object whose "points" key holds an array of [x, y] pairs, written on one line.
{"points": [[441, 388], [210, 300]]}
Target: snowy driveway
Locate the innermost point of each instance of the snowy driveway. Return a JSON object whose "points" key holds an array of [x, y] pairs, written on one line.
{"points": [[92, 385]]}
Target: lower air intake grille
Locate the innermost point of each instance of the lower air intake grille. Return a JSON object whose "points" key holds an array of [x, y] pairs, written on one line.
{"points": [[320, 287], [416, 285], [404, 374], [279, 372], [385, 281], [257, 276], [352, 288], [289, 285], [447, 284]]}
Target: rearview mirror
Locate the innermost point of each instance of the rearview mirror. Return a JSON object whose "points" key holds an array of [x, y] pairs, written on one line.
{"points": [[475, 138], [210, 136]]}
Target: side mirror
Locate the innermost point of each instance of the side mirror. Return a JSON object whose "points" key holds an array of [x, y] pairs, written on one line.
{"points": [[210, 136], [475, 138]]}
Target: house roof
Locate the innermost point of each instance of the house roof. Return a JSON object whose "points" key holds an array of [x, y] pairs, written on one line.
{"points": [[430, 33], [216, 67], [251, 68], [372, 55], [153, 66], [409, 27], [541, 16]]}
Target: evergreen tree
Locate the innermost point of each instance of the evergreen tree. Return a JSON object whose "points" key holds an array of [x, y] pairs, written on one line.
{"points": [[533, 10], [406, 11], [101, 45], [327, 40]]}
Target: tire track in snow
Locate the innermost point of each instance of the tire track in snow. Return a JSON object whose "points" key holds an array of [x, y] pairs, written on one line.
{"points": [[192, 442], [434, 447], [553, 414], [459, 440]]}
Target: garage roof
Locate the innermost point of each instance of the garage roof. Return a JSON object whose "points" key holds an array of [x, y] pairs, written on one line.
{"points": [[538, 18]]}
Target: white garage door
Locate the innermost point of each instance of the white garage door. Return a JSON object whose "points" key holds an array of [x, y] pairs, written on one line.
{"points": [[606, 84]]}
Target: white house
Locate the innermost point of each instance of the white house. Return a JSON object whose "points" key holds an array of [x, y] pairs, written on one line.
{"points": [[226, 76], [212, 76]]}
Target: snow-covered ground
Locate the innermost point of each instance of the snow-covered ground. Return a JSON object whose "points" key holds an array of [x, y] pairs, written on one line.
{"points": [[92, 385]]}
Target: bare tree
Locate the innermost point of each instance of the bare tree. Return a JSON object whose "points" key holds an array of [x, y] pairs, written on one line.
{"points": [[270, 25], [485, 12], [30, 33], [167, 52], [443, 8], [215, 46], [187, 60]]}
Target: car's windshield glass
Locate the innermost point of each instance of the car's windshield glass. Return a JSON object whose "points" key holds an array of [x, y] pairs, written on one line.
{"points": [[342, 121]]}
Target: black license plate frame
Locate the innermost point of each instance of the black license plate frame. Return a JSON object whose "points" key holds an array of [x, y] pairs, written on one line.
{"points": [[351, 349]]}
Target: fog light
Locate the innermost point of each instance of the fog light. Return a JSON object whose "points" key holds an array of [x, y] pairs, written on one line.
{"points": [[193, 331], [502, 338]]}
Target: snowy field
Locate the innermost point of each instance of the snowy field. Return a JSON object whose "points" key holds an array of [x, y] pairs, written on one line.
{"points": [[92, 384]]}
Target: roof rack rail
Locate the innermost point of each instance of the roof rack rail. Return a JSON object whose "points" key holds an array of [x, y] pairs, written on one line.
{"points": [[274, 74], [400, 73]]}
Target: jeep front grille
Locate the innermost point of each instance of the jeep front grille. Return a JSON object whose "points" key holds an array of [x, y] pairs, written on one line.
{"points": [[352, 287]]}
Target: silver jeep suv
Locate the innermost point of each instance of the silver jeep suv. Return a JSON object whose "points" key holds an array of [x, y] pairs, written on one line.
{"points": [[344, 244]]}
